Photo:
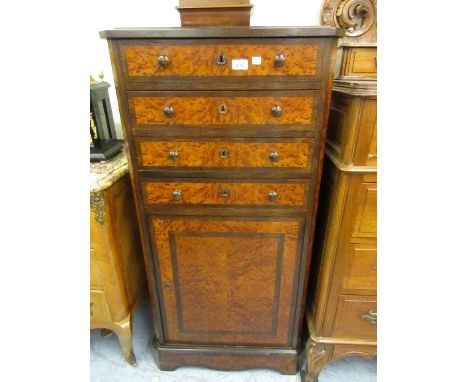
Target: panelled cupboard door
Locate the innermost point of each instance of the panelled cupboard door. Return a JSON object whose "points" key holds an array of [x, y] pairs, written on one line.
{"points": [[227, 280]]}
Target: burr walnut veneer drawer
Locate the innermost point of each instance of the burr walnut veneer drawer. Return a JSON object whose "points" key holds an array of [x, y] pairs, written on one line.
{"points": [[225, 193], [225, 153], [216, 58], [223, 108]]}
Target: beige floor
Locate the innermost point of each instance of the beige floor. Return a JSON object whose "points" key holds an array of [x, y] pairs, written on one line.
{"points": [[108, 365]]}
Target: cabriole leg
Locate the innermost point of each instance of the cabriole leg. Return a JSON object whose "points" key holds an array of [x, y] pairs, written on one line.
{"points": [[124, 333], [318, 355]]}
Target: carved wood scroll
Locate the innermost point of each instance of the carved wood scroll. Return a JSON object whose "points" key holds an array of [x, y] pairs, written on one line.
{"points": [[358, 17]]}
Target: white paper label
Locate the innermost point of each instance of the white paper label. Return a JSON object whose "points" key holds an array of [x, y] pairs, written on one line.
{"points": [[256, 60], [240, 64]]}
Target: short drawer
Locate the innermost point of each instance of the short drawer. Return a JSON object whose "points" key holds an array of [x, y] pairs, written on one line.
{"points": [[99, 310], [218, 58], [365, 215], [223, 153], [361, 267], [225, 193], [360, 62], [356, 318], [95, 274], [222, 109]]}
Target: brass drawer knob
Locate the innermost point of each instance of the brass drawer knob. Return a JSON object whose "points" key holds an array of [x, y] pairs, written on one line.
{"points": [[177, 195], [274, 156], [168, 111], [173, 155], [222, 109], [280, 60], [370, 317], [276, 111], [224, 153], [224, 193], [272, 196], [221, 59], [163, 61]]}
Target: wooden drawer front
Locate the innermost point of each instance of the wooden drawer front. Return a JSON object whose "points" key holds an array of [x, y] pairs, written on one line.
{"points": [[339, 124], [227, 280], [224, 153], [95, 274], [223, 109], [99, 311], [356, 318], [361, 267], [360, 62], [352, 130], [248, 193], [365, 222], [193, 59]]}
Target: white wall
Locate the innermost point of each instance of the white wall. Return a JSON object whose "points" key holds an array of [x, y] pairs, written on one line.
{"points": [[109, 14]]}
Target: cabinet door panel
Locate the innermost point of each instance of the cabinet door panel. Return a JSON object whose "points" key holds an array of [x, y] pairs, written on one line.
{"points": [[228, 281]]}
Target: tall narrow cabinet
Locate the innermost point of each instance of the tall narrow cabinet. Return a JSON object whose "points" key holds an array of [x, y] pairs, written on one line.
{"points": [[342, 298], [225, 131]]}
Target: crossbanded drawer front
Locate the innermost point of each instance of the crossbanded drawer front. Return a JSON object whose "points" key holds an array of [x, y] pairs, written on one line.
{"points": [[356, 318], [225, 193], [215, 109], [176, 58], [251, 153]]}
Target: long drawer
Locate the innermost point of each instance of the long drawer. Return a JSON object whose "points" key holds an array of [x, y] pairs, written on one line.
{"points": [[242, 192], [248, 153], [153, 60], [224, 109]]}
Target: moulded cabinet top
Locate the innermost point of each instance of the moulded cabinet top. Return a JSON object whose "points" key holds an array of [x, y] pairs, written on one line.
{"points": [[223, 32]]}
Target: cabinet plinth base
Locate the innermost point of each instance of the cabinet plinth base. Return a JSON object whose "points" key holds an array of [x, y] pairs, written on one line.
{"points": [[170, 357]]}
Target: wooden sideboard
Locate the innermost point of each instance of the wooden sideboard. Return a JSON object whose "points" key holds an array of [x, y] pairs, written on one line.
{"points": [[225, 130], [342, 299], [117, 275]]}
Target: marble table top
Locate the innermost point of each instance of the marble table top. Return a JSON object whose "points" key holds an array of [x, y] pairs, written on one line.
{"points": [[105, 173]]}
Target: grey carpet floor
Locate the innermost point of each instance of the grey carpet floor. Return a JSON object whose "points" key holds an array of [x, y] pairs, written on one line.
{"points": [[108, 365]]}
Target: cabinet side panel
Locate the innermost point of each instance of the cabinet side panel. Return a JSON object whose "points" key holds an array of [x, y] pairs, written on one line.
{"points": [[114, 46]]}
